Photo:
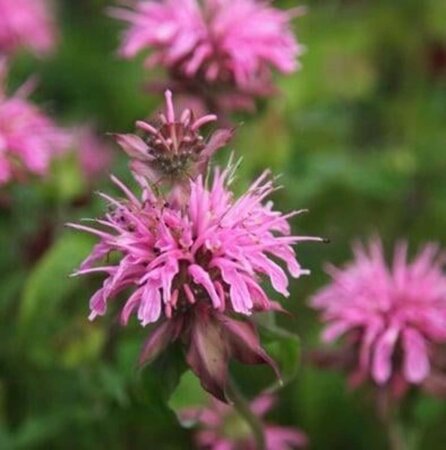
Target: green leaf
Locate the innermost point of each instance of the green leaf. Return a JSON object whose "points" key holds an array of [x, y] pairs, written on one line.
{"points": [[284, 348], [160, 379], [188, 394], [49, 282], [67, 180]]}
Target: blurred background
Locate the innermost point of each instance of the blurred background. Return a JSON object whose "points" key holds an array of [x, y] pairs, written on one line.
{"points": [[359, 136]]}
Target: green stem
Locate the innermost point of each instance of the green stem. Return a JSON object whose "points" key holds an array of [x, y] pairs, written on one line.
{"points": [[243, 408], [397, 440]]}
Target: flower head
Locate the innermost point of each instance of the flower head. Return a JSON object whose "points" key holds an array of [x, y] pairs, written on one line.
{"points": [[393, 316], [191, 268], [230, 43], [172, 150], [29, 139], [220, 427], [26, 23]]}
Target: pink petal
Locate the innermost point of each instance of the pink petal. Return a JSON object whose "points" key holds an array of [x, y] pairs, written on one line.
{"points": [[133, 145], [382, 358], [416, 360], [200, 276]]}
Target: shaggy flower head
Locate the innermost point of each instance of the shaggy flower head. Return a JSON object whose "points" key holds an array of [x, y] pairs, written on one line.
{"points": [[221, 428], [218, 42], [29, 140], [190, 268], [26, 23], [173, 150], [394, 316]]}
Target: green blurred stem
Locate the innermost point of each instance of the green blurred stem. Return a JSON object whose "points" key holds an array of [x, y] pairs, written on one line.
{"points": [[397, 440], [242, 406]]}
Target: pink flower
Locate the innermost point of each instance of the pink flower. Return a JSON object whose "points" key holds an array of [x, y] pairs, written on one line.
{"points": [[29, 139], [232, 43], [173, 150], [221, 428], [26, 23], [393, 316], [191, 268]]}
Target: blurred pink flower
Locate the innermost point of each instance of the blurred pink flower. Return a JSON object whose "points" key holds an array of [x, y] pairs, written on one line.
{"points": [[193, 266], [221, 428], [172, 150], [394, 316], [29, 139], [26, 23], [216, 42], [94, 154]]}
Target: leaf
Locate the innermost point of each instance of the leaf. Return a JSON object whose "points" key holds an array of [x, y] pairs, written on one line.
{"points": [[187, 399], [48, 284], [284, 348], [162, 376], [36, 430], [67, 181]]}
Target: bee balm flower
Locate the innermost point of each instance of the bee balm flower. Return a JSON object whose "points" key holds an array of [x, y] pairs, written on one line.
{"points": [[394, 316], [26, 23], [29, 139], [192, 268], [230, 44]]}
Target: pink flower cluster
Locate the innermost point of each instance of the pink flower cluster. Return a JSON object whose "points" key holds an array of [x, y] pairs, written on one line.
{"points": [[231, 43], [26, 24], [394, 316], [216, 248], [29, 139], [221, 428], [193, 267]]}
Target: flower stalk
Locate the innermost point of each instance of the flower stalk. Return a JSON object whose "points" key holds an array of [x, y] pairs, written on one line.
{"points": [[242, 406]]}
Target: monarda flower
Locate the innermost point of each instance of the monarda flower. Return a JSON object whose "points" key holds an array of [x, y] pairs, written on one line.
{"points": [[26, 24], [214, 45], [172, 151], [393, 317], [194, 271], [29, 139], [220, 427]]}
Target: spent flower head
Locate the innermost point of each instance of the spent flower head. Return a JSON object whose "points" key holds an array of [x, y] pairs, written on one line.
{"points": [[393, 317], [214, 45]]}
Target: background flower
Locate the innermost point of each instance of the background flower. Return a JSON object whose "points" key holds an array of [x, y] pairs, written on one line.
{"points": [[221, 428], [26, 24], [395, 316], [226, 43], [29, 139]]}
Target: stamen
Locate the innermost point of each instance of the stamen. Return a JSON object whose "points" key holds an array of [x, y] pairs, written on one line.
{"points": [[203, 120], [189, 294], [169, 105], [147, 127]]}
